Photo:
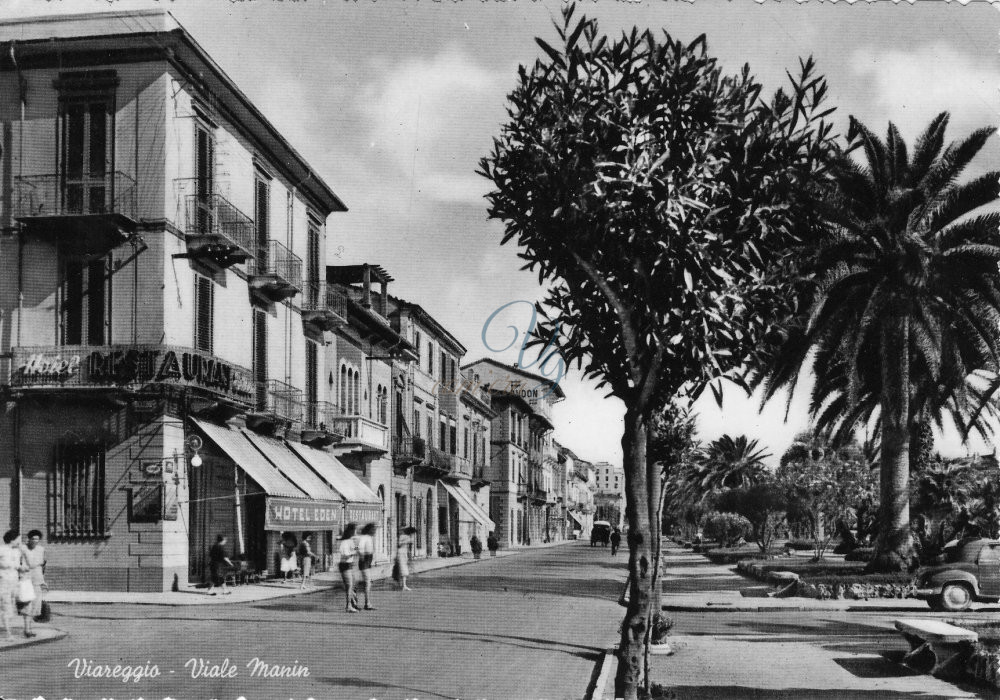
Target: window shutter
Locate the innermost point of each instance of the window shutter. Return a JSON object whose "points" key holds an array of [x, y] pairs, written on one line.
{"points": [[204, 314]]}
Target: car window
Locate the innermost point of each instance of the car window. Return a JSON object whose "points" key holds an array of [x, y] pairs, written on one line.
{"points": [[989, 555]]}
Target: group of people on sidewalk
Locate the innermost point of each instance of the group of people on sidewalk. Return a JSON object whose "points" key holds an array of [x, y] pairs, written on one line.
{"points": [[359, 550], [22, 579]]}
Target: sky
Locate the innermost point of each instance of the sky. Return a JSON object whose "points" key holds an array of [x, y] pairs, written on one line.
{"points": [[395, 102]]}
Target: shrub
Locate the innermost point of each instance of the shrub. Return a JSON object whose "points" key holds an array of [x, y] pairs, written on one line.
{"points": [[800, 545], [860, 554], [728, 528]]}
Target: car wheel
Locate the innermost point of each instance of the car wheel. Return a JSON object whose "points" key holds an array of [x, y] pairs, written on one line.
{"points": [[956, 597], [935, 603]]}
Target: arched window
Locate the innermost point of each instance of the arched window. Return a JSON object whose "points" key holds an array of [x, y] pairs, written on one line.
{"points": [[343, 389], [357, 393]]}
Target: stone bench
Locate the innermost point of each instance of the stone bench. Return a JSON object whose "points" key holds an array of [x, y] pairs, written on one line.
{"points": [[936, 647]]}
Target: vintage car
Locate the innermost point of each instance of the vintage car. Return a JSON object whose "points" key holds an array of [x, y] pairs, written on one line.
{"points": [[600, 533], [971, 574]]}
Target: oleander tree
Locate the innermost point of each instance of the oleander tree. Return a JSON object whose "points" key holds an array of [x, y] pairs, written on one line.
{"points": [[658, 197]]}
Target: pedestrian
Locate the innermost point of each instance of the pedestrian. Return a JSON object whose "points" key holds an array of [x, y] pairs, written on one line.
{"points": [[402, 567], [492, 544], [366, 555], [616, 541], [218, 560], [34, 559], [306, 558], [11, 561], [348, 551], [289, 561]]}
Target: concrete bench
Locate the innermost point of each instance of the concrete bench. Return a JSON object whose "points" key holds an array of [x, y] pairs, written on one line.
{"points": [[936, 647]]}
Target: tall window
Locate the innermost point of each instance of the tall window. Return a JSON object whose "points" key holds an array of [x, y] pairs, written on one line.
{"points": [[416, 345], [453, 435], [86, 134], [262, 218], [443, 434], [430, 358], [260, 356], [312, 381], [430, 430], [356, 394], [204, 313], [343, 390], [76, 492], [85, 298], [443, 368], [312, 262], [465, 442], [204, 180], [416, 423]]}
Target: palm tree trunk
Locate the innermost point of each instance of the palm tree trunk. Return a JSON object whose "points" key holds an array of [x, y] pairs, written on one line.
{"points": [[640, 513], [894, 545]]}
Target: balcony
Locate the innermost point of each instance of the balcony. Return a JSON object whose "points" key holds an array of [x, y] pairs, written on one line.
{"points": [[324, 307], [318, 429], [217, 230], [276, 272], [362, 433], [277, 403], [90, 214], [408, 451], [437, 464], [479, 478]]}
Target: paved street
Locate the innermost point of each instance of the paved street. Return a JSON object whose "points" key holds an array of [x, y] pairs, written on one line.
{"points": [[527, 626]]}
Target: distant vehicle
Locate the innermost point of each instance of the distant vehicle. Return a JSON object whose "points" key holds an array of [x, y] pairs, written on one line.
{"points": [[971, 573], [600, 532]]}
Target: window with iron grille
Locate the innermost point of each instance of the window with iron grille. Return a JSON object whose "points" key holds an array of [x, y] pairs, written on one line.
{"points": [[204, 313], [76, 492]]}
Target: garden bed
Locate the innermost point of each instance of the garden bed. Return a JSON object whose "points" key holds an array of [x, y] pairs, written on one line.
{"points": [[831, 579]]}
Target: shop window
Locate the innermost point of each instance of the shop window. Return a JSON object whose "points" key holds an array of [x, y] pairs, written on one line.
{"points": [[76, 492]]}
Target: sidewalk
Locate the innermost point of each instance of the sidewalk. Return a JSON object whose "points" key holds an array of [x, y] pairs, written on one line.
{"points": [[255, 592], [693, 583]]}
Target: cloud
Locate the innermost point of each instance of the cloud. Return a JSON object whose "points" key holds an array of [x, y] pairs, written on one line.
{"points": [[915, 85], [430, 118]]}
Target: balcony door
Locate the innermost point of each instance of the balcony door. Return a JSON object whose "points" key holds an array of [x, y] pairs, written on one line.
{"points": [[204, 180], [86, 155], [85, 298]]}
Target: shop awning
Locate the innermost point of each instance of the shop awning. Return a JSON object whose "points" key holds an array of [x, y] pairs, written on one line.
{"points": [[250, 460], [466, 503], [577, 517], [363, 504], [289, 464]]}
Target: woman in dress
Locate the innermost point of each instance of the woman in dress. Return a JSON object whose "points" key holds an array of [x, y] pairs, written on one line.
{"points": [[306, 558], [366, 555], [33, 554], [403, 556], [11, 560], [348, 551], [289, 561]]}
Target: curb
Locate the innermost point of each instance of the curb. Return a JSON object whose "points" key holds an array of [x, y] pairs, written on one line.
{"points": [[603, 668], [319, 586], [59, 634]]}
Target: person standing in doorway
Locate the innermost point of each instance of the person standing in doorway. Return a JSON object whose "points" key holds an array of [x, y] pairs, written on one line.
{"points": [[348, 551], [403, 556], [306, 558], [616, 541], [218, 560], [366, 555]]}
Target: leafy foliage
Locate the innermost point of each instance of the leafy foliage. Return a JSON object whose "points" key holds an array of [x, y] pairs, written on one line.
{"points": [[903, 323], [727, 528], [762, 504]]}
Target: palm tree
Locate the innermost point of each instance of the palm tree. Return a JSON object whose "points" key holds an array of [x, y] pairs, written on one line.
{"points": [[731, 463], [905, 315]]}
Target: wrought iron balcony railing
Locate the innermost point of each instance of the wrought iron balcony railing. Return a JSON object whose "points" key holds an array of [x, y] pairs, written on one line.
{"points": [[276, 271], [282, 400], [408, 448], [213, 222], [324, 305], [42, 196]]}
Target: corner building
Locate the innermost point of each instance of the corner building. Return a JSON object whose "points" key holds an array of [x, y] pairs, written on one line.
{"points": [[161, 325]]}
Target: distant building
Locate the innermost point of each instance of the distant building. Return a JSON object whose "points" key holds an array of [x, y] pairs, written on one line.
{"points": [[609, 494]]}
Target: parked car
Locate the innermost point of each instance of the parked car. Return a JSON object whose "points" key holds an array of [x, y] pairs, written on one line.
{"points": [[971, 573], [600, 533]]}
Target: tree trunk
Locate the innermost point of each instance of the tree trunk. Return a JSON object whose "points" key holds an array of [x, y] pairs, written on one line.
{"points": [[640, 511], [894, 545]]}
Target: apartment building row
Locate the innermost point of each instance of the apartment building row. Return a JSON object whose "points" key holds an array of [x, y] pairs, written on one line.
{"points": [[178, 360]]}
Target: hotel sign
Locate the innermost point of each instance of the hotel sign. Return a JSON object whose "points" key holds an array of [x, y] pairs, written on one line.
{"points": [[298, 515], [123, 365]]}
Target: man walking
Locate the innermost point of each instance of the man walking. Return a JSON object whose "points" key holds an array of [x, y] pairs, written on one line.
{"points": [[616, 540]]}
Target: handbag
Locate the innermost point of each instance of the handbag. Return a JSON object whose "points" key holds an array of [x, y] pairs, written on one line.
{"points": [[25, 591]]}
